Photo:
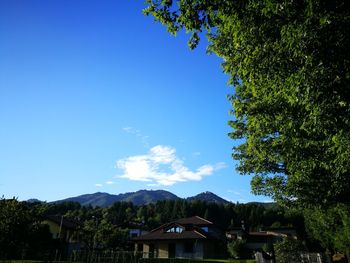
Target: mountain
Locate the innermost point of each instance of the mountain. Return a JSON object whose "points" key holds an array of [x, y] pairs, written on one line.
{"points": [[208, 197], [137, 198], [96, 199], [34, 200], [148, 196], [140, 197]]}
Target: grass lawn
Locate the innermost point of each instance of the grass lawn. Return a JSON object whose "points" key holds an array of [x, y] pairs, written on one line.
{"points": [[231, 260], [153, 261], [157, 260]]}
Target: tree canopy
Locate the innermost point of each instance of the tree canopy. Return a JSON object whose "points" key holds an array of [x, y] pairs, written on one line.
{"points": [[289, 62], [25, 232]]}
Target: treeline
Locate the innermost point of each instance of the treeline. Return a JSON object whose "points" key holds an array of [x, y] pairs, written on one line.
{"points": [[24, 235], [254, 215]]}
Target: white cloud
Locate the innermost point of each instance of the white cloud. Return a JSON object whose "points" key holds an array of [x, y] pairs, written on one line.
{"points": [[109, 182], [161, 166], [98, 185]]}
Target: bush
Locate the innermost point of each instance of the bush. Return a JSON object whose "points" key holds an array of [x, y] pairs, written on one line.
{"points": [[289, 251], [236, 248]]}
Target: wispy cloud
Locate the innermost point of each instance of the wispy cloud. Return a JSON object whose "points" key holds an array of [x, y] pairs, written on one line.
{"points": [[109, 182], [98, 185], [161, 166], [138, 134]]}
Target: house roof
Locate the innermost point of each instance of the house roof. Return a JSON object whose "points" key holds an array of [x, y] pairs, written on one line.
{"points": [[69, 224], [267, 234], [160, 235], [194, 220], [261, 233], [191, 229]]}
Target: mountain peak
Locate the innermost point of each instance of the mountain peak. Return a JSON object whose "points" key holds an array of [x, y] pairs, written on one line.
{"points": [[208, 197], [140, 197]]}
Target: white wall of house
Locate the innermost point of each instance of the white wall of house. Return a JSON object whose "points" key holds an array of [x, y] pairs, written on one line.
{"points": [[145, 250]]}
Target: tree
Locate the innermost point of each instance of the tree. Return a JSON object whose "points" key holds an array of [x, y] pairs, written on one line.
{"points": [[289, 251], [330, 227], [236, 248], [89, 234], [21, 233], [15, 222], [40, 243], [109, 236], [289, 62]]}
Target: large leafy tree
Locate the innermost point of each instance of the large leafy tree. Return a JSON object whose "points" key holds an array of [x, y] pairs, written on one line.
{"points": [[330, 227], [289, 62], [289, 251], [21, 233]]}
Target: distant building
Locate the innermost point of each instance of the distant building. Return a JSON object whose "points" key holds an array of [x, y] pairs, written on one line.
{"points": [[258, 239], [192, 237], [64, 230]]}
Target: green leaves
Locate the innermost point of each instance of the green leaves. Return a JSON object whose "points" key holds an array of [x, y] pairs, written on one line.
{"points": [[194, 16], [289, 251], [289, 62], [235, 248], [331, 227], [19, 229]]}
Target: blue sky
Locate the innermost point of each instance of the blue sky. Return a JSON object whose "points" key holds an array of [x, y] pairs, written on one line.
{"points": [[94, 96]]}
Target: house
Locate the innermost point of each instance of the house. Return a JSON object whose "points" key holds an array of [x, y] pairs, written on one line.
{"points": [[235, 233], [136, 232], [257, 240], [192, 237], [269, 236], [287, 231], [135, 228], [64, 230]]}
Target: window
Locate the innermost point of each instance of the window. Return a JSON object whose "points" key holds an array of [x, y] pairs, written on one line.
{"points": [[205, 229], [175, 229]]}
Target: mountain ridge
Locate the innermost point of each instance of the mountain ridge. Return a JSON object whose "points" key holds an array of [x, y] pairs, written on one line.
{"points": [[208, 197], [140, 197]]}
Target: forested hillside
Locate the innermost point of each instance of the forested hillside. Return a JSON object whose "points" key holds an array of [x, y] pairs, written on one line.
{"points": [[141, 197], [21, 223]]}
